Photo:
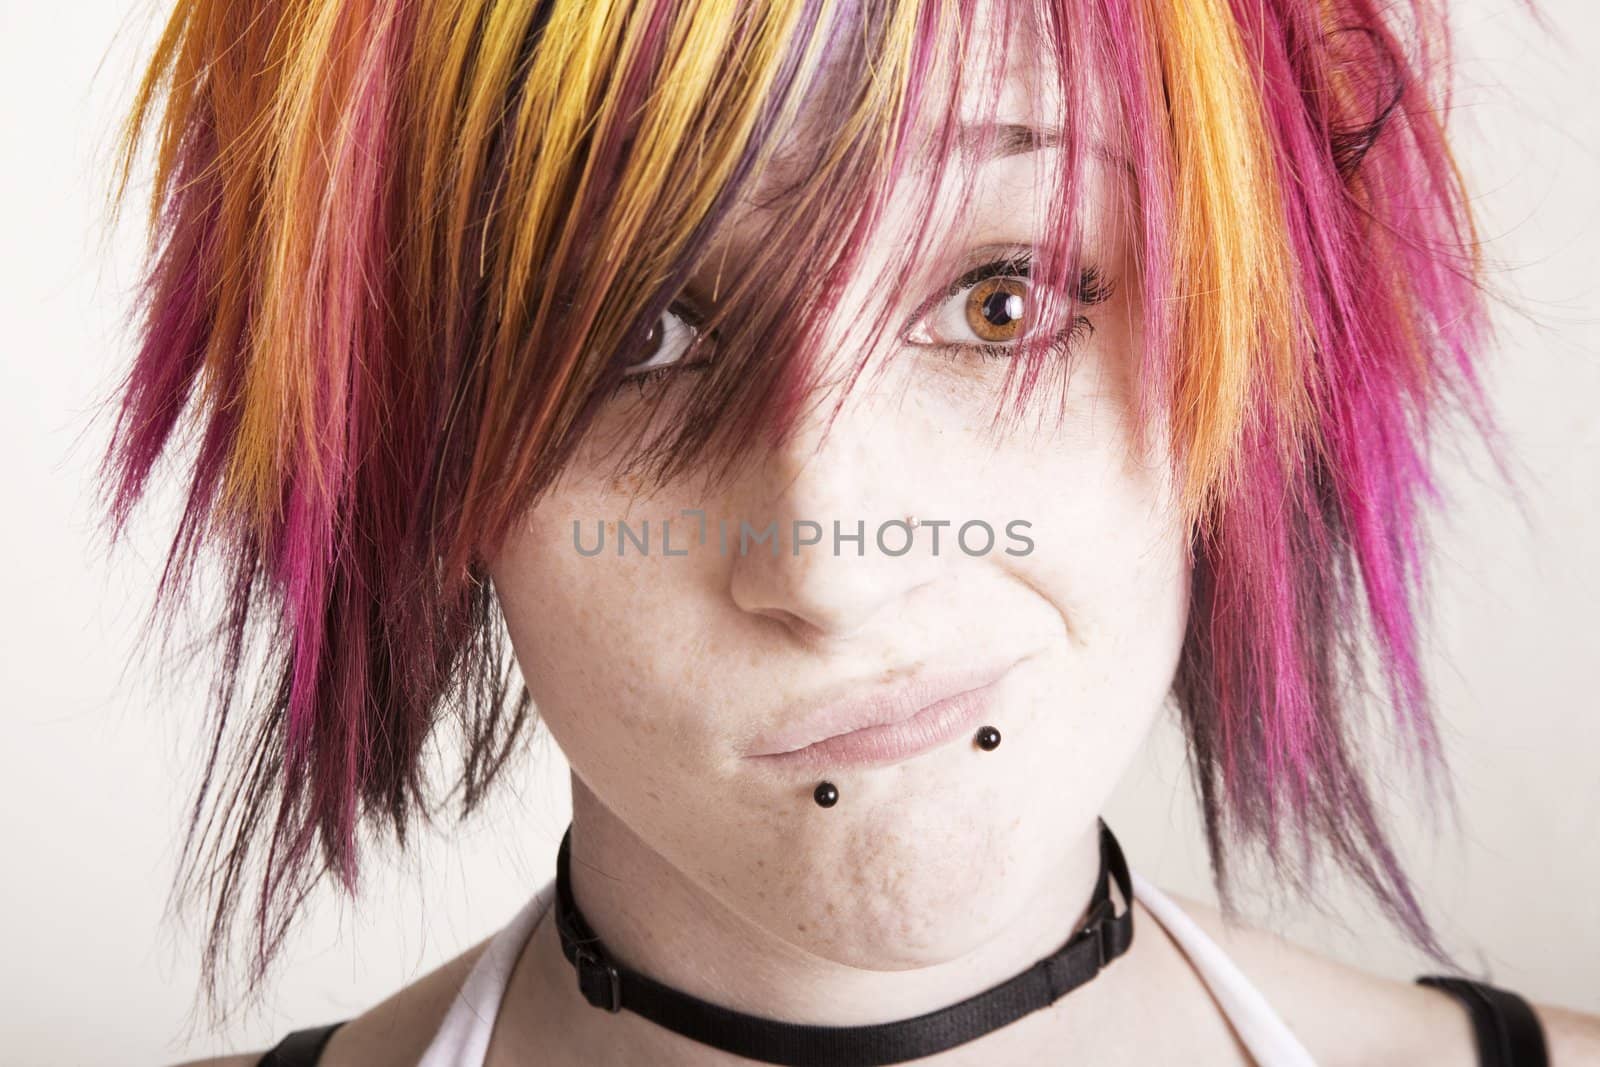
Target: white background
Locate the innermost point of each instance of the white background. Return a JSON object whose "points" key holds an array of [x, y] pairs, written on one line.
{"points": [[95, 760]]}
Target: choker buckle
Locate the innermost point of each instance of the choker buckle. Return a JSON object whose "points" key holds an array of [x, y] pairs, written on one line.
{"points": [[598, 980], [1099, 929]]}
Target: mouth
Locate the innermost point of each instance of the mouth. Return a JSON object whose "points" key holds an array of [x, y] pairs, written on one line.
{"points": [[890, 726]]}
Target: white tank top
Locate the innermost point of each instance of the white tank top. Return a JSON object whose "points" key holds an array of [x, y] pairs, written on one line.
{"points": [[463, 1037]]}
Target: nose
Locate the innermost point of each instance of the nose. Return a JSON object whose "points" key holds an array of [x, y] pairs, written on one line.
{"points": [[849, 488]]}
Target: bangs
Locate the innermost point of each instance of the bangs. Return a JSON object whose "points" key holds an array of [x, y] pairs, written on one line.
{"points": [[866, 107], [813, 119]]}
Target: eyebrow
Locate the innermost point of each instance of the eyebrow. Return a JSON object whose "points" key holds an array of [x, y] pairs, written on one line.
{"points": [[1008, 138]]}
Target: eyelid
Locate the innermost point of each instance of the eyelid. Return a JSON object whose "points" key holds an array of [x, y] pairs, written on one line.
{"points": [[687, 306], [1018, 265]]}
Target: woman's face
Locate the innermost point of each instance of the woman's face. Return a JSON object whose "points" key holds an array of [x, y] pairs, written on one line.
{"points": [[657, 674]]}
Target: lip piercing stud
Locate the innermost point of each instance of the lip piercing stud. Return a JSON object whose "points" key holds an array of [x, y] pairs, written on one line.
{"points": [[827, 794]]}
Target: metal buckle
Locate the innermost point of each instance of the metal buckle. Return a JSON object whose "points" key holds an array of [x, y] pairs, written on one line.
{"points": [[606, 993], [1099, 927]]}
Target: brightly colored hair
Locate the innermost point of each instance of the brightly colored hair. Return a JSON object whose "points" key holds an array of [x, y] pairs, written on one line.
{"points": [[403, 248]]}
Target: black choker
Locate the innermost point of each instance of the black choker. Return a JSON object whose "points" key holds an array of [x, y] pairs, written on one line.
{"points": [[1101, 938]]}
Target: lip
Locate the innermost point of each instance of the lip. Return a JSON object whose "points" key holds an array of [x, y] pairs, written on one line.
{"points": [[886, 726]]}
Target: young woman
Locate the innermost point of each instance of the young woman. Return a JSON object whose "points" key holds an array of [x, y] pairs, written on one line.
{"points": [[864, 419]]}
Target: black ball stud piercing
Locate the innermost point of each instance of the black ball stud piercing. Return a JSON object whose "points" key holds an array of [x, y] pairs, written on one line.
{"points": [[827, 794]]}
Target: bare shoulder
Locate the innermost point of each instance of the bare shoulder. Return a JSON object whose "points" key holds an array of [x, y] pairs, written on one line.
{"points": [[1318, 997], [395, 1031], [400, 1028], [1401, 1022], [1573, 1037]]}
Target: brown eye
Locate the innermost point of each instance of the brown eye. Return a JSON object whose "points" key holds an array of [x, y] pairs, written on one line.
{"points": [[995, 309], [989, 311], [673, 336]]}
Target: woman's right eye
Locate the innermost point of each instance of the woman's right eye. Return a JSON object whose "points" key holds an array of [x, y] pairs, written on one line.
{"points": [[675, 335]]}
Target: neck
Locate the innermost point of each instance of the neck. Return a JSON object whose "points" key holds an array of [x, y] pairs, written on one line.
{"points": [[655, 919]]}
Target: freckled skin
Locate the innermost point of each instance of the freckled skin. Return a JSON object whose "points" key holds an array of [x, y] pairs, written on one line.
{"points": [[654, 672], [650, 671]]}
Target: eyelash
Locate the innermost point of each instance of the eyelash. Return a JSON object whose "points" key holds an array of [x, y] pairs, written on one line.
{"points": [[1093, 288], [644, 378]]}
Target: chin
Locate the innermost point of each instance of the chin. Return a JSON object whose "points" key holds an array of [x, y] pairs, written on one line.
{"points": [[904, 888]]}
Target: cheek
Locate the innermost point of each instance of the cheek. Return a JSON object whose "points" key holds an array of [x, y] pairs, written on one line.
{"points": [[1110, 543], [589, 655], [1111, 559]]}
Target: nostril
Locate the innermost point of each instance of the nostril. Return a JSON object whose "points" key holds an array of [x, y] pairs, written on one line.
{"points": [[811, 634], [799, 625]]}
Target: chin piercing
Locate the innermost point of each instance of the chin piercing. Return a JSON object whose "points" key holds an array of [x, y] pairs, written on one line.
{"points": [[826, 795], [988, 738]]}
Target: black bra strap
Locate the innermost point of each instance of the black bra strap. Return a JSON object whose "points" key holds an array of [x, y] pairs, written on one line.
{"points": [[1507, 1030], [303, 1048]]}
